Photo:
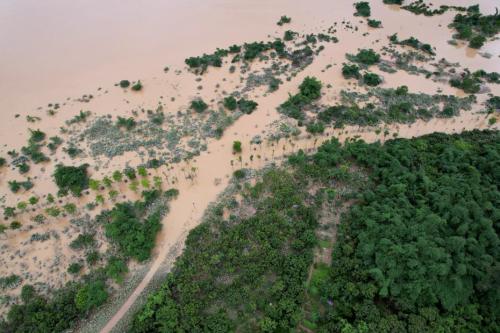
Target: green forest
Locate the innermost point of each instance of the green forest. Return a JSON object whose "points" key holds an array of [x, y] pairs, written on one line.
{"points": [[416, 251]]}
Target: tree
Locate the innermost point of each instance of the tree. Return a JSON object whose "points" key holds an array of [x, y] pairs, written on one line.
{"points": [[70, 178], [91, 296]]}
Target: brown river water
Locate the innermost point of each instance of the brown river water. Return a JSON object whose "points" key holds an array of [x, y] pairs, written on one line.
{"points": [[55, 50]]}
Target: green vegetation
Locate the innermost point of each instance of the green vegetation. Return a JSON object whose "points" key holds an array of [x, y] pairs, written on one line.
{"points": [[11, 281], [393, 2], [374, 23], [391, 106], [362, 9], [237, 147], [124, 83], [85, 240], [284, 20], [36, 136], [199, 105], [79, 118], [475, 27], [137, 86], [416, 250], [309, 90], [116, 269], [249, 271], [70, 178], [75, 268], [91, 296], [350, 71], [289, 35], [366, 57], [247, 106], [414, 43], [372, 79], [127, 123], [230, 103], [132, 228]]}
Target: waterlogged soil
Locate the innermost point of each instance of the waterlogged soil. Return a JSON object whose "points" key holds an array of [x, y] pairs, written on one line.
{"points": [[73, 54]]}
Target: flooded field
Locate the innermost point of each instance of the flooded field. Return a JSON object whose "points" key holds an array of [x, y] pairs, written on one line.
{"points": [[61, 68]]}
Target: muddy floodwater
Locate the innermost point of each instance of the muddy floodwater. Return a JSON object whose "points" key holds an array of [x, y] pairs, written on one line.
{"points": [[72, 54]]}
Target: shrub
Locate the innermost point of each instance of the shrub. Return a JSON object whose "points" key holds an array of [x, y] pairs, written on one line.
{"points": [[374, 23], [21, 205], [127, 123], [124, 83], [236, 147], [91, 295], [2, 161], [239, 174], [477, 42], [393, 2], [315, 128], [141, 170], [9, 212], [70, 208], [33, 200], [70, 178], [289, 35], [23, 168], [137, 86], [492, 121], [246, 106], [83, 241], [230, 103], [198, 105], [350, 71], [116, 269], [92, 257], [283, 20], [14, 186], [367, 57], [75, 268], [117, 176], [372, 79], [15, 225], [310, 88], [53, 211], [362, 9], [130, 173], [37, 136]]}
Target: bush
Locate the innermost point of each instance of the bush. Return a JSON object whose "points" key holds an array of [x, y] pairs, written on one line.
{"points": [[350, 71], [289, 35], [75, 268], [367, 57], [92, 257], [230, 103], [315, 128], [393, 2], [247, 106], [70, 178], [283, 20], [374, 23], [372, 79], [310, 88], [91, 296], [83, 241], [362, 9], [236, 147], [124, 83], [137, 86], [23, 168], [239, 174], [116, 269], [15, 225], [128, 123], [130, 173], [199, 105], [2, 161], [37, 136], [477, 42]]}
